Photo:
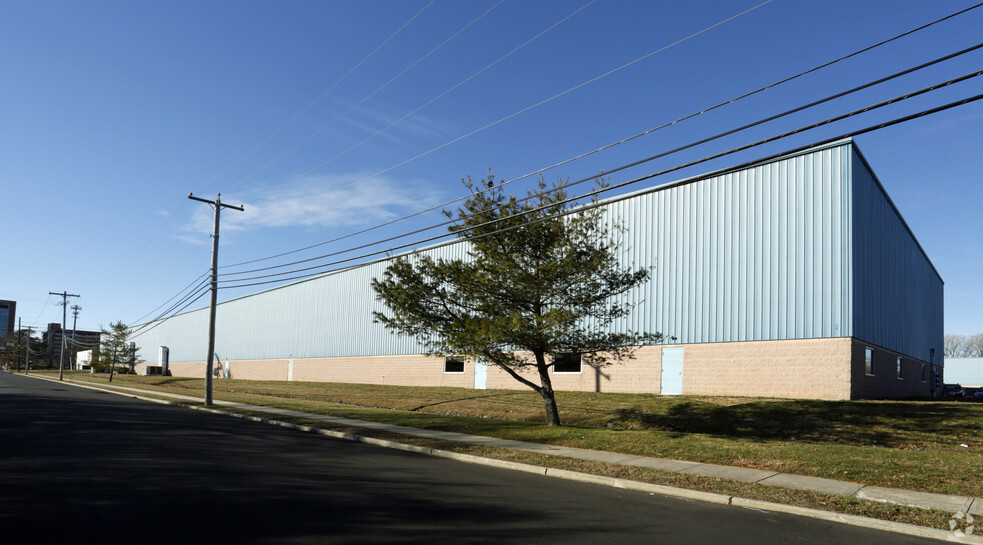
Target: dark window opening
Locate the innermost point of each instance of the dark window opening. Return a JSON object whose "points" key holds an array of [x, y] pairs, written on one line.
{"points": [[453, 364], [566, 363]]}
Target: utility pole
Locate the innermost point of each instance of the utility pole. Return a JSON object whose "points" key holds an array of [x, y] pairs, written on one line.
{"points": [[20, 335], [64, 315], [27, 354], [74, 348], [217, 205]]}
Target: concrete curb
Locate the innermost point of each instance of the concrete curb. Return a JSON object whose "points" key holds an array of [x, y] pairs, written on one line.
{"points": [[684, 493]]}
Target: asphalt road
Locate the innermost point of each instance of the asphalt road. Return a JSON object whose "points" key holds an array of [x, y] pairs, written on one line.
{"points": [[80, 466]]}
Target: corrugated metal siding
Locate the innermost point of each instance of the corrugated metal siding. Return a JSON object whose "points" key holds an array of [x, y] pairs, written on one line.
{"points": [[323, 317], [898, 293], [760, 253]]}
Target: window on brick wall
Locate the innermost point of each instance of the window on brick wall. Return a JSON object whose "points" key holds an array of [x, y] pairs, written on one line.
{"points": [[900, 368], [566, 363], [869, 361], [454, 364]]}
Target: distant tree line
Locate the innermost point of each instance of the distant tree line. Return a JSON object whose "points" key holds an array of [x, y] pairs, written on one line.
{"points": [[964, 346]]}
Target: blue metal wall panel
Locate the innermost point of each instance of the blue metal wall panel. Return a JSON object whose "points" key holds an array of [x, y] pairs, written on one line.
{"points": [[898, 293], [758, 253]]}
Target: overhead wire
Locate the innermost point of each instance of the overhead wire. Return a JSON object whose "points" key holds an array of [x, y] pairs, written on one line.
{"points": [[201, 286], [510, 116], [196, 282], [608, 146], [653, 157], [438, 97], [266, 140], [615, 143], [636, 180], [187, 301]]}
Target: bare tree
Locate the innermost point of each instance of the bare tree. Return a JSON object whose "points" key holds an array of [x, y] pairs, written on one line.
{"points": [[963, 346], [974, 346]]}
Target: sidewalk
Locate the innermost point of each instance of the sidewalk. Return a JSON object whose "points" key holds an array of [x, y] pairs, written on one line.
{"points": [[924, 500]]}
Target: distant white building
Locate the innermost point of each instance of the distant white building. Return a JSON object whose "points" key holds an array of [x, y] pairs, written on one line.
{"points": [[964, 371], [83, 360]]}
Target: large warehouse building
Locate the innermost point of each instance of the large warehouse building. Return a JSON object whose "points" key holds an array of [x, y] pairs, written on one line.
{"points": [[794, 277]]}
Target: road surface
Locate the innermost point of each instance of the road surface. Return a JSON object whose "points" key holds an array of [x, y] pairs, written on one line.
{"points": [[81, 466]]}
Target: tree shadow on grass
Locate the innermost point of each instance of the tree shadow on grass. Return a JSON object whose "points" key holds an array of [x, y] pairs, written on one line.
{"points": [[892, 424]]}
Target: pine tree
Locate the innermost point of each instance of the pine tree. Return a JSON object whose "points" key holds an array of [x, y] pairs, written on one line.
{"points": [[540, 282]]}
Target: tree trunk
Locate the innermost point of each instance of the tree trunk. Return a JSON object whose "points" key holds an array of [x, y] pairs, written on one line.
{"points": [[549, 398], [112, 364]]}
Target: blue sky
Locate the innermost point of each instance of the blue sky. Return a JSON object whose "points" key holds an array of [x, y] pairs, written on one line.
{"points": [[326, 117]]}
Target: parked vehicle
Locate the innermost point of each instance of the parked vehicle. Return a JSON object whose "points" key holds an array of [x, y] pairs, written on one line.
{"points": [[954, 390], [978, 394]]}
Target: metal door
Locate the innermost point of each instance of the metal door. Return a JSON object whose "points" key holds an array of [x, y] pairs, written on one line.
{"points": [[672, 370], [480, 374]]}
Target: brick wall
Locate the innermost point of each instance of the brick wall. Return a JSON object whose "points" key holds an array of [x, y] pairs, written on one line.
{"points": [[639, 375], [884, 383], [802, 368], [805, 368]]}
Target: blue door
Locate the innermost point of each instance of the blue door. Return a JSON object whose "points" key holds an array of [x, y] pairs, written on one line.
{"points": [[672, 370]]}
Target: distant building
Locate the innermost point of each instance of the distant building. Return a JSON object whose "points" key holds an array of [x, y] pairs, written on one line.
{"points": [[52, 338], [8, 315], [791, 277], [964, 371]]}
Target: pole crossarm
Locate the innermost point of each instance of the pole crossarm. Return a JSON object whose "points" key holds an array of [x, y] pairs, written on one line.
{"points": [[64, 310], [216, 202], [210, 362]]}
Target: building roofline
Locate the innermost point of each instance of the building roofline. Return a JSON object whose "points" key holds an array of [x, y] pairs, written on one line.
{"points": [[788, 154], [897, 212]]}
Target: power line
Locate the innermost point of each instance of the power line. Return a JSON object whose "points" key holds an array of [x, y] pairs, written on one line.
{"points": [[187, 301], [627, 139], [675, 150], [624, 184], [438, 97], [608, 146], [524, 110], [279, 130], [179, 265], [199, 281]]}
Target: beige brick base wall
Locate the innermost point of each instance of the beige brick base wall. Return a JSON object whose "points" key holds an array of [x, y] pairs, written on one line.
{"points": [[803, 368], [806, 368], [397, 370], [643, 374]]}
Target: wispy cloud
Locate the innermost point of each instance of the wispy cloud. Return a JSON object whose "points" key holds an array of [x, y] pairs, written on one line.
{"points": [[315, 202]]}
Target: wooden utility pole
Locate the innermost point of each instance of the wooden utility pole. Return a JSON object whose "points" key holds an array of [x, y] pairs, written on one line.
{"points": [[217, 205], [27, 354], [64, 315], [73, 350]]}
